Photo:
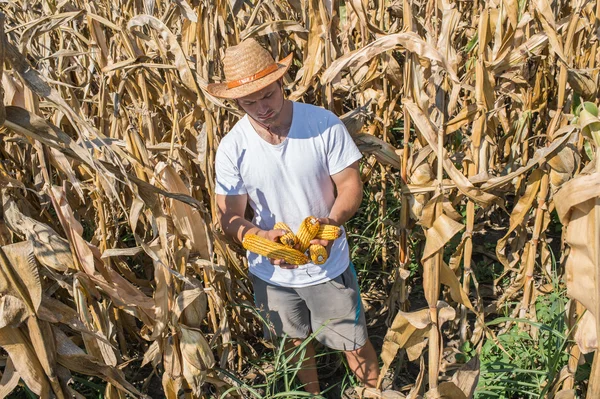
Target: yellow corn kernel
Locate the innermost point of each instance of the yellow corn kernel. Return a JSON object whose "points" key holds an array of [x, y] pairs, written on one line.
{"points": [[328, 232], [289, 239], [273, 250], [307, 231], [282, 226], [318, 254]]}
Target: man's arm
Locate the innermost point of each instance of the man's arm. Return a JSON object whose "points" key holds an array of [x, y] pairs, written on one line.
{"points": [[349, 194], [231, 217]]}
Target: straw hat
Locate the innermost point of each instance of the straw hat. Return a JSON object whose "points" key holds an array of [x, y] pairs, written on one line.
{"points": [[248, 68]]}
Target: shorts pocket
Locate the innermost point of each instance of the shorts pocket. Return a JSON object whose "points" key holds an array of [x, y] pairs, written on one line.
{"points": [[341, 281]]}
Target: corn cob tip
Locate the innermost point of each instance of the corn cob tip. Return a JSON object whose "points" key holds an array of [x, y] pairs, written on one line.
{"points": [[318, 254]]}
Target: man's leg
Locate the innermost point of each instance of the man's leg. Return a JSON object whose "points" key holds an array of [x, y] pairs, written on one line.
{"points": [[363, 362], [308, 370], [286, 314], [339, 320]]}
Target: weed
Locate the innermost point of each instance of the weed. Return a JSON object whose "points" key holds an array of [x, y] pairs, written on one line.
{"points": [[523, 364]]}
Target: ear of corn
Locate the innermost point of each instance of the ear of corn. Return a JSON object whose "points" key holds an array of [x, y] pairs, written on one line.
{"points": [[328, 232], [273, 250], [318, 254], [282, 226], [307, 231], [289, 239]]}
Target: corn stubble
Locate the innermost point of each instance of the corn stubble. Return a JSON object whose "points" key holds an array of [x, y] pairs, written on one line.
{"points": [[109, 248]]}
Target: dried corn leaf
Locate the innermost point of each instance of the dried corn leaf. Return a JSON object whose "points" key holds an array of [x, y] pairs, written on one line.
{"points": [[467, 377], [153, 354], [174, 47], [10, 379], [426, 129], [274, 27], [518, 214], [582, 83], [42, 341], [543, 9], [2, 40], [19, 273], [188, 221], [26, 363], [192, 304], [173, 376], [313, 54], [565, 394], [575, 203], [541, 155], [195, 349], [34, 127], [585, 335], [54, 311], [442, 230], [50, 249], [73, 358], [12, 311], [385, 153], [464, 117], [410, 329], [194, 377], [408, 40], [447, 277]]}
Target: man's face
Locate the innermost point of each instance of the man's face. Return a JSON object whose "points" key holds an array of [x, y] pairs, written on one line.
{"points": [[265, 105]]}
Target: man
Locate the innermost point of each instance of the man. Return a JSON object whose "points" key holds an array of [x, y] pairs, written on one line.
{"points": [[291, 160]]}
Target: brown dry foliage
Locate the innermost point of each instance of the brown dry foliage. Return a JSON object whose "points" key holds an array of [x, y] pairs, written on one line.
{"points": [[108, 238]]}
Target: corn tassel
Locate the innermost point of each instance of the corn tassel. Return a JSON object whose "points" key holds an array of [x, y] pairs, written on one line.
{"points": [[318, 254], [328, 232], [307, 231], [273, 250]]}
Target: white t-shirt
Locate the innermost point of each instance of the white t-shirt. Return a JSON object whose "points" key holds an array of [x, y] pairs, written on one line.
{"points": [[288, 182]]}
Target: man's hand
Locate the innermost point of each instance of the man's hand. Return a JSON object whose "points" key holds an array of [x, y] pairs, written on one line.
{"points": [[326, 243], [274, 235]]}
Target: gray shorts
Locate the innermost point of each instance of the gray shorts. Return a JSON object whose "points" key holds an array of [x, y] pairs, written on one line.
{"points": [[332, 310]]}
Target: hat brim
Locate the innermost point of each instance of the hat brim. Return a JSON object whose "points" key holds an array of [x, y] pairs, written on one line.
{"points": [[221, 90]]}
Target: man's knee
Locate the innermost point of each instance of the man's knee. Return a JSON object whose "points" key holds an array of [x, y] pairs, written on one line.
{"points": [[293, 342], [363, 352]]}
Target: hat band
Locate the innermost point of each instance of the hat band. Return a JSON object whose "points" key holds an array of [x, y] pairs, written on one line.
{"points": [[261, 74]]}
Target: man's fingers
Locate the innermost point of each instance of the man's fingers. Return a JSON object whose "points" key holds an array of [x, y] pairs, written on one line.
{"points": [[278, 233], [318, 241], [281, 263]]}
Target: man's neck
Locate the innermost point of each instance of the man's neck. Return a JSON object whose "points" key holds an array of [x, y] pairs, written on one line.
{"points": [[282, 124]]}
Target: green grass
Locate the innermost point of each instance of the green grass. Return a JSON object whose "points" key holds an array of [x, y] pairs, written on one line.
{"points": [[280, 380], [521, 364]]}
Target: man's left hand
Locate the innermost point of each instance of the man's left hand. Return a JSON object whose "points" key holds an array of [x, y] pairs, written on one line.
{"points": [[326, 243]]}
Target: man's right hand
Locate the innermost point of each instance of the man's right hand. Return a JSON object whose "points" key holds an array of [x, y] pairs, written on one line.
{"points": [[274, 235]]}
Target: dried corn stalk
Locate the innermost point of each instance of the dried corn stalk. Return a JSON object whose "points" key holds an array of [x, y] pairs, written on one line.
{"points": [[107, 170]]}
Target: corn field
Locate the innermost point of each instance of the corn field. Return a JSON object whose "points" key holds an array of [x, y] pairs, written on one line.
{"points": [[479, 118]]}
